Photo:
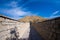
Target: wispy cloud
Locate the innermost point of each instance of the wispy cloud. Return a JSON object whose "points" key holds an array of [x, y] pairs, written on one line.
{"points": [[12, 4], [15, 12], [54, 14]]}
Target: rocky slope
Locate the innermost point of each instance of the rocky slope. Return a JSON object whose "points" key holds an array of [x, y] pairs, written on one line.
{"points": [[32, 19]]}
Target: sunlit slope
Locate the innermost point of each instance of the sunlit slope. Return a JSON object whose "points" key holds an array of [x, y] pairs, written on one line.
{"points": [[32, 19]]}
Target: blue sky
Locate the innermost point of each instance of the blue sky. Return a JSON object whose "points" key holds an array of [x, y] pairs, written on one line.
{"points": [[17, 9]]}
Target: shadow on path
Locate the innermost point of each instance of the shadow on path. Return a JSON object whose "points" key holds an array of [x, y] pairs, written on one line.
{"points": [[34, 35]]}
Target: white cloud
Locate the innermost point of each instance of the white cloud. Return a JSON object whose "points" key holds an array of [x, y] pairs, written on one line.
{"points": [[16, 11], [54, 14], [12, 4]]}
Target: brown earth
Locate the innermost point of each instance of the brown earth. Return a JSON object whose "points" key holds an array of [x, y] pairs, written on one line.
{"points": [[32, 19]]}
